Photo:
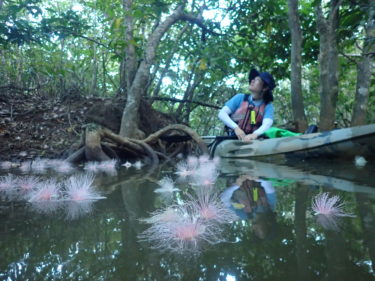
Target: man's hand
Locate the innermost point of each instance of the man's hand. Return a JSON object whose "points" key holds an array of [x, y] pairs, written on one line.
{"points": [[239, 133], [250, 137]]}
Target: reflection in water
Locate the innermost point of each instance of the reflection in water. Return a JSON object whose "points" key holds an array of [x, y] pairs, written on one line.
{"points": [[108, 167], [360, 161], [102, 243], [70, 210], [198, 171], [75, 210], [7, 187], [45, 207], [186, 226], [166, 185], [253, 198], [366, 212]]}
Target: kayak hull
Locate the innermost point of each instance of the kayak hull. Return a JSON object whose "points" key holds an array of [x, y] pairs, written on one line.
{"points": [[343, 143]]}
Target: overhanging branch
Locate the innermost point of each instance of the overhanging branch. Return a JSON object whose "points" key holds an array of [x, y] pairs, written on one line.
{"points": [[199, 22], [183, 101]]}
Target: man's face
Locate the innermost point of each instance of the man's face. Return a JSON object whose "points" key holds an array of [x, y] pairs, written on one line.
{"points": [[256, 85]]}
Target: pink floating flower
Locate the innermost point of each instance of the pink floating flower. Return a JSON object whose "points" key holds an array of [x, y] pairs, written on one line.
{"points": [[183, 232], [79, 188], [8, 187], [168, 215], [166, 185], [187, 231], [206, 174], [92, 167], [7, 182], [6, 165], [184, 169], [192, 162], [25, 166], [209, 206], [177, 236], [108, 167], [47, 191], [324, 205], [328, 210], [41, 165], [204, 159], [28, 184], [62, 166]]}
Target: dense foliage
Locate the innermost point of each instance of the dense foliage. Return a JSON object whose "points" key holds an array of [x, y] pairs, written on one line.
{"points": [[66, 48]]}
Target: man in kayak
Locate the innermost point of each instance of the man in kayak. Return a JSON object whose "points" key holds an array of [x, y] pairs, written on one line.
{"points": [[250, 115]]}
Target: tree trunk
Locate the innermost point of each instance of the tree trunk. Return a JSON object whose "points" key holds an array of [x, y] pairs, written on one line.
{"points": [[328, 64], [129, 64], [94, 79], [364, 72], [104, 73], [296, 61], [129, 121]]}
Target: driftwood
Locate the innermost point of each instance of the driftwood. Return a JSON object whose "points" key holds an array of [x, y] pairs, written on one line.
{"points": [[102, 144]]}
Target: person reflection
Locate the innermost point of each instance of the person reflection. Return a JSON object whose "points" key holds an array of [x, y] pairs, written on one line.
{"points": [[254, 199]]}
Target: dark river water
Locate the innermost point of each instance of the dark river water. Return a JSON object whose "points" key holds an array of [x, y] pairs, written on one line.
{"points": [[199, 220]]}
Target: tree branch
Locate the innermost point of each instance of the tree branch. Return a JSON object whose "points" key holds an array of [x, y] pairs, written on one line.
{"points": [[97, 42], [200, 23], [334, 10], [183, 101], [349, 58]]}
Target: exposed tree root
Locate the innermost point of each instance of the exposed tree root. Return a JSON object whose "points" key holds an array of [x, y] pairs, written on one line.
{"points": [[93, 147], [102, 144]]}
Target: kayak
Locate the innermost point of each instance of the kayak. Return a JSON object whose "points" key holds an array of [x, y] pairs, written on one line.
{"points": [[338, 143]]}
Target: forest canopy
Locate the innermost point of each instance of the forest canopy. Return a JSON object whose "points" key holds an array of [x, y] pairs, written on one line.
{"points": [[188, 57]]}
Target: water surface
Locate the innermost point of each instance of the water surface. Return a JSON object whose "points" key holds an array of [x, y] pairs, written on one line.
{"points": [[281, 239]]}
